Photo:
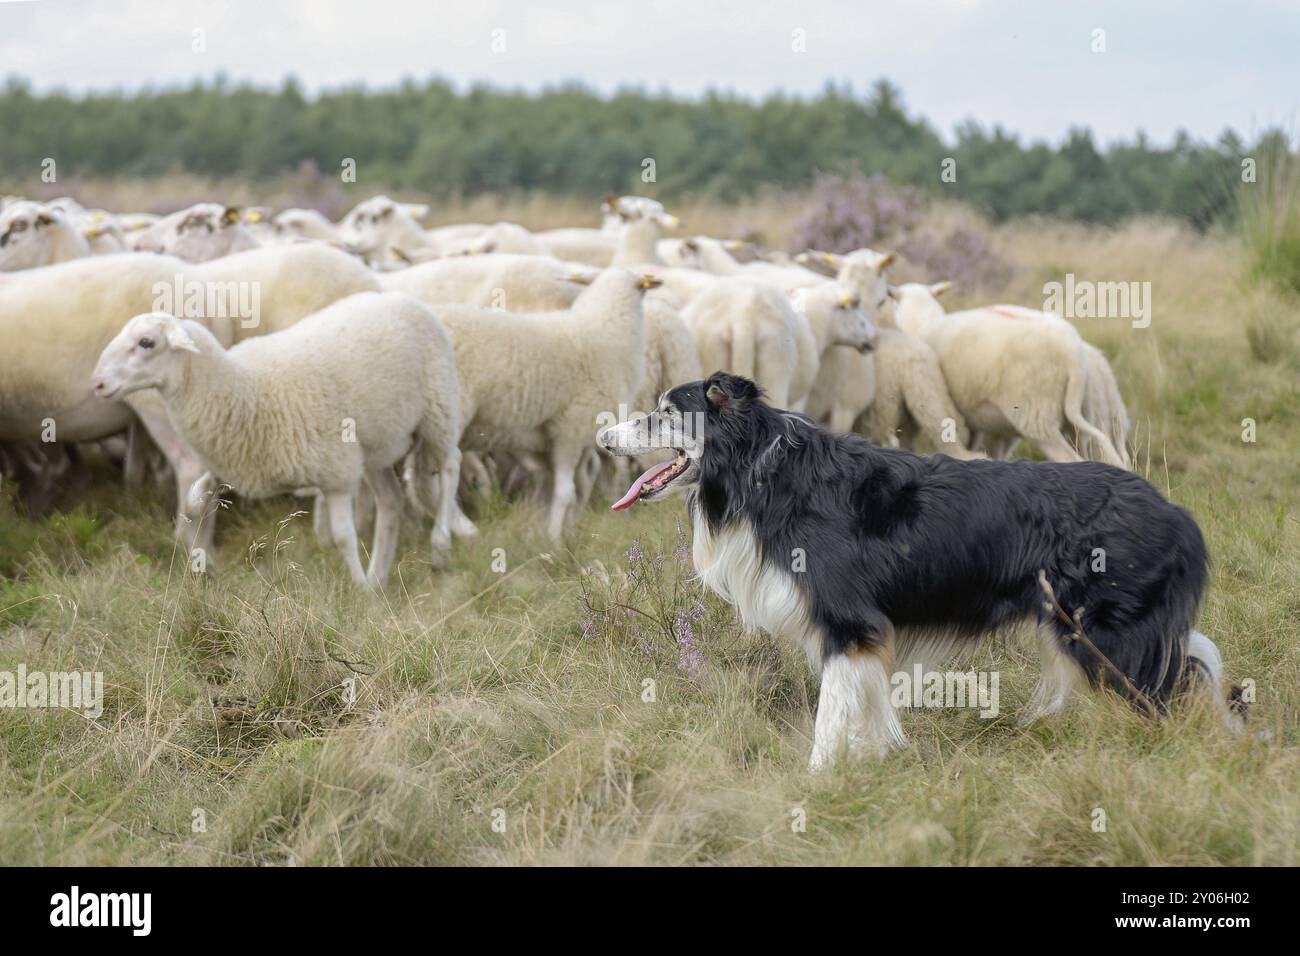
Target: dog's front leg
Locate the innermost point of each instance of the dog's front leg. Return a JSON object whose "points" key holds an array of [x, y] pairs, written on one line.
{"points": [[854, 711]]}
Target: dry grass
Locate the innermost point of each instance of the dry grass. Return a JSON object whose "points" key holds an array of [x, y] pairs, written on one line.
{"points": [[484, 698]]}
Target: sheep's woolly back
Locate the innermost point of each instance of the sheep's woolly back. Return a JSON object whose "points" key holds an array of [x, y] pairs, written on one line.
{"points": [[750, 328], [671, 359], [593, 247], [510, 283], [54, 322], [347, 388], [529, 381], [293, 281]]}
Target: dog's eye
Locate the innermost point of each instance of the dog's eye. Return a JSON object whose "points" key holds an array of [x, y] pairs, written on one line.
{"points": [[146, 343]]}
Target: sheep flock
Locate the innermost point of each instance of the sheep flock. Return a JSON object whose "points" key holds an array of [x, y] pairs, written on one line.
{"points": [[380, 369]]}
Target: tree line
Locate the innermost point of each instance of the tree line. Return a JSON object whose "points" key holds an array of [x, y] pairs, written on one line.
{"points": [[431, 138]]}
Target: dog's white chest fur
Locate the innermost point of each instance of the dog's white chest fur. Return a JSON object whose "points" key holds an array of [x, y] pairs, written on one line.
{"points": [[732, 566]]}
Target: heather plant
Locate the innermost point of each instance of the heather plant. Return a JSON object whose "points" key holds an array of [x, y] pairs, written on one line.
{"points": [[850, 212], [962, 255], [654, 605]]}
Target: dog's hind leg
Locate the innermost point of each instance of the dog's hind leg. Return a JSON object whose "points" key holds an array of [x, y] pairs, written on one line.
{"points": [[854, 710], [1058, 678], [1205, 674]]}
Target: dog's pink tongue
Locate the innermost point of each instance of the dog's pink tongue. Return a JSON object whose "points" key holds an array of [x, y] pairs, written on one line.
{"points": [[635, 491]]}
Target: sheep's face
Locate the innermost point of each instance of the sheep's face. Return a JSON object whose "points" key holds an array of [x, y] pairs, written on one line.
{"points": [[864, 271], [377, 225], [207, 231], [851, 325], [624, 209], [140, 356], [28, 234], [202, 232]]}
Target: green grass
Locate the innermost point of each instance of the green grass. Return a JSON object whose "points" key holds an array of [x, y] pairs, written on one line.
{"points": [[474, 717]]}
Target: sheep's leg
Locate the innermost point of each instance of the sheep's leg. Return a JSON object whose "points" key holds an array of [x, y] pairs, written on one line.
{"points": [[564, 495], [450, 518], [388, 518], [588, 473], [320, 521], [136, 463], [344, 533], [195, 522], [841, 419], [363, 509], [1056, 448]]}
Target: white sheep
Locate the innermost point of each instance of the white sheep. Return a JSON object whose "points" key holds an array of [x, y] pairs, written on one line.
{"points": [[203, 231], [304, 224], [511, 283], [55, 322], [536, 383], [1012, 375], [751, 328], [713, 256], [341, 397], [33, 235]]}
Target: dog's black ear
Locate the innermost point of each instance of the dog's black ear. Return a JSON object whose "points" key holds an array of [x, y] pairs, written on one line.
{"points": [[730, 393]]}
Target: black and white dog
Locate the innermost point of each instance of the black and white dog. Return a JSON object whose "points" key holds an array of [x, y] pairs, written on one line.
{"points": [[905, 558]]}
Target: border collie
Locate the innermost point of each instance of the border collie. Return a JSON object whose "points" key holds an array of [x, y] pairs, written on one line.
{"points": [[876, 558]]}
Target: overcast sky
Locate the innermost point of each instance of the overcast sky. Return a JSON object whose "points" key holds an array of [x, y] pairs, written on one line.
{"points": [[1026, 64]]}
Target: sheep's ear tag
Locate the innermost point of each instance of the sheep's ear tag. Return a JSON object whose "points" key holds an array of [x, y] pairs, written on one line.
{"points": [[717, 397], [254, 216], [233, 214]]}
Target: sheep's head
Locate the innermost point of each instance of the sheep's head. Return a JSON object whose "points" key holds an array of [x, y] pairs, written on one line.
{"points": [[376, 225], [304, 224], [142, 355], [622, 209], [839, 314], [850, 323], [915, 304], [204, 231], [864, 271], [28, 234]]}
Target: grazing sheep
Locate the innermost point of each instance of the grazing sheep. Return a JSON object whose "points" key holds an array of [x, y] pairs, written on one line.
{"points": [[1012, 375], [512, 283], [341, 397], [33, 235], [204, 231], [536, 383]]}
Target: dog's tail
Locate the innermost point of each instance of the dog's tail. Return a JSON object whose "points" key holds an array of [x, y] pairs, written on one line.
{"points": [[1076, 388], [1204, 673]]}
